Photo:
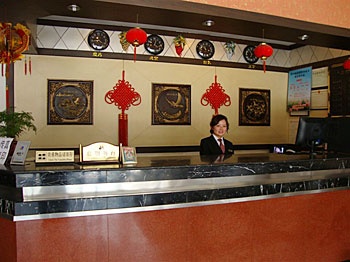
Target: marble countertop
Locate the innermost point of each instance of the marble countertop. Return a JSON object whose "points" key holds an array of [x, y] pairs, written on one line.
{"points": [[37, 192]]}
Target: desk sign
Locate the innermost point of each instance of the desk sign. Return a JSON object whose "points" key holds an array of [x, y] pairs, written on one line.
{"points": [[54, 156], [99, 152], [20, 153]]}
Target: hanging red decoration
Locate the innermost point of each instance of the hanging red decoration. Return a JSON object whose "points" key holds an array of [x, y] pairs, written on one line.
{"points": [[179, 43], [263, 51], [346, 64], [136, 37], [215, 96], [13, 42], [123, 95], [30, 66]]}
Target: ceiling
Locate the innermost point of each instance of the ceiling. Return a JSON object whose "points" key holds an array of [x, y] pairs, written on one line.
{"points": [[171, 17]]}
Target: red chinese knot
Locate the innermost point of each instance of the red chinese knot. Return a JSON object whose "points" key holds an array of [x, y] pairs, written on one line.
{"points": [[215, 96], [123, 95]]}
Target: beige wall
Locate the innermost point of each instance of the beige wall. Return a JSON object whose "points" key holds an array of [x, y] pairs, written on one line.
{"points": [[31, 95]]}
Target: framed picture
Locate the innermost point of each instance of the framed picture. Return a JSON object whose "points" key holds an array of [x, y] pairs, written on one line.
{"points": [[128, 155], [254, 107], [70, 102], [171, 104]]}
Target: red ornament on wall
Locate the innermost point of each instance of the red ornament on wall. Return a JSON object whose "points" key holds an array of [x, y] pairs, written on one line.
{"points": [[215, 96], [346, 64], [14, 40], [136, 37], [179, 43], [263, 51]]}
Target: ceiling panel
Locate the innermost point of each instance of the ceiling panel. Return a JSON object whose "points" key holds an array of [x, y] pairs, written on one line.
{"points": [[174, 16]]}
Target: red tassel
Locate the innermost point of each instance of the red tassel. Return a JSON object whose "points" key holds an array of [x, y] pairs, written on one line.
{"points": [[7, 98], [25, 66], [2, 69], [30, 66], [134, 53], [264, 65], [7, 71]]}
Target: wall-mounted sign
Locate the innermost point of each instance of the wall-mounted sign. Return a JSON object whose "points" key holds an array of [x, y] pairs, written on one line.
{"points": [[299, 91]]}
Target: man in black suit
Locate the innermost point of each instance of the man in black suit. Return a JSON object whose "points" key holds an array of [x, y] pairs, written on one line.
{"points": [[216, 144]]}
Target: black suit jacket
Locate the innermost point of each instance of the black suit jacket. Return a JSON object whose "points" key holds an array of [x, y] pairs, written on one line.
{"points": [[209, 146]]}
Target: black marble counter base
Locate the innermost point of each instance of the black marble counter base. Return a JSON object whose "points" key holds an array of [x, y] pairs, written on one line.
{"points": [[36, 192]]}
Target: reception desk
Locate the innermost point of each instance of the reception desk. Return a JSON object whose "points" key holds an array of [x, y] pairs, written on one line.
{"points": [[262, 207]]}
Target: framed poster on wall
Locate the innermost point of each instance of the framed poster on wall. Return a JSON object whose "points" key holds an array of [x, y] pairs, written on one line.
{"points": [[171, 104], [254, 107], [299, 91], [70, 102]]}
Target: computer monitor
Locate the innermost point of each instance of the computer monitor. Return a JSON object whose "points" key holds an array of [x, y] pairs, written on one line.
{"points": [[312, 132]]}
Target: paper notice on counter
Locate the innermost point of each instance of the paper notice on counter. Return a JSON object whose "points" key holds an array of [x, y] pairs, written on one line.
{"points": [[5, 145]]}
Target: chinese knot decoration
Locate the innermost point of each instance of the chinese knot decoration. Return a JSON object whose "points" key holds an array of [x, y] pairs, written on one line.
{"points": [[346, 64], [136, 37], [215, 96], [13, 42], [123, 95], [263, 51]]}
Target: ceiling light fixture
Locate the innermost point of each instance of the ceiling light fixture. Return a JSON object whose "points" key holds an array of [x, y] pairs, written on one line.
{"points": [[303, 37], [73, 8], [208, 23]]}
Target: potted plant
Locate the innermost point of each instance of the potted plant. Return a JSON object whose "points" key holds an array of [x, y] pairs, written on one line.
{"points": [[12, 123]]}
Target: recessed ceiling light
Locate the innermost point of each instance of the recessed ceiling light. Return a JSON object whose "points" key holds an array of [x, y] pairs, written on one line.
{"points": [[303, 37], [208, 23], [73, 8]]}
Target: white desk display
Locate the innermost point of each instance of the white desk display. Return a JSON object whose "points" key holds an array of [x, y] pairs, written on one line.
{"points": [[5, 145], [20, 153]]}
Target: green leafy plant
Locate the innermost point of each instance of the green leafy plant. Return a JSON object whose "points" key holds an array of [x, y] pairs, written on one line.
{"points": [[12, 124]]}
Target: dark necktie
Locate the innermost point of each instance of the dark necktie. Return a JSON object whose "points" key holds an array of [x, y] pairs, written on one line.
{"points": [[222, 146]]}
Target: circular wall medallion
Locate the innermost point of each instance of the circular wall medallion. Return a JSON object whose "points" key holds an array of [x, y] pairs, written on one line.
{"points": [[171, 104], [205, 49], [154, 44], [70, 102], [255, 107]]}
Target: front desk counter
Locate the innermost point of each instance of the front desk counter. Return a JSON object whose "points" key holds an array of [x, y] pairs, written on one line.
{"points": [[251, 207]]}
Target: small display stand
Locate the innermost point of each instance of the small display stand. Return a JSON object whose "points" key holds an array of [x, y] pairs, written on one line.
{"points": [[20, 154], [128, 155]]}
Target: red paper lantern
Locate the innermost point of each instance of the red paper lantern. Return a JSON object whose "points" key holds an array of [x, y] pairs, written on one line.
{"points": [[346, 64], [136, 37], [263, 51]]}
